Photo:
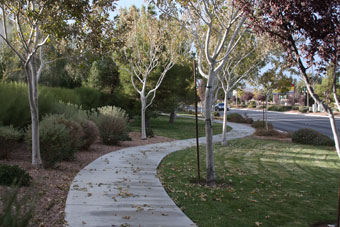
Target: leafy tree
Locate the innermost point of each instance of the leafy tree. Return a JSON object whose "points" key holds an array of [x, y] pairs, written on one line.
{"points": [[150, 43], [271, 80], [104, 75], [210, 23], [36, 22], [247, 96], [291, 23], [176, 89]]}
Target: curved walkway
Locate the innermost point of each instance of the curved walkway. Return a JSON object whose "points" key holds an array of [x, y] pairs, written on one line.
{"points": [[122, 189]]}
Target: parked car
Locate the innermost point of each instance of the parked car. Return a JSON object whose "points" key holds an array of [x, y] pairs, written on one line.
{"points": [[220, 107]]}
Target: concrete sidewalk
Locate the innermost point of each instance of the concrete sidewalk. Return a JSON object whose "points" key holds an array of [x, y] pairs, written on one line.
{"points": [[122, 189]]}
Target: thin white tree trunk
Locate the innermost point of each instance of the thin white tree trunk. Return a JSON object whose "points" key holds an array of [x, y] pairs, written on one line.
{"points": [[334, 130], [143, 108], [266, 121], [211, 177], [225, 120], [33, 102]]}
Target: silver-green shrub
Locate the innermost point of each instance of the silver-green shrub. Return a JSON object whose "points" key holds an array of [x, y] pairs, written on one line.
{"points": [[112, 123]]}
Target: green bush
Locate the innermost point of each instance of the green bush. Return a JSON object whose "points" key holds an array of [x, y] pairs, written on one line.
{"points": [[261, 124], [76, 135], [216, 114], [264, 132], [16, 211], [10, 175], [9, 138], [112, 123], [55, 140], [89, 97], [14, 104], [303, 109], [295, 108], [61, 94], [235, 117], [311, 137], [238, 118], [91, 133], [280, 108]]}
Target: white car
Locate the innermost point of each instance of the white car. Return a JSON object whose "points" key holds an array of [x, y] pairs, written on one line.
{"points": [[220, 107]]}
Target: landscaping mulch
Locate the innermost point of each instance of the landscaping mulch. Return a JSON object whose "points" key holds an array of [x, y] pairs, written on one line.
{"points": [[50, 186]]}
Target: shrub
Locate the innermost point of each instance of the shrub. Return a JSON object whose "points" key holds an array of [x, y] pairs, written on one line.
{"points": [[238, 118], [303, 109], [16, 211], [261, 124], [216, 114], [264, 132], [55, 140], [61, 94], [9, 138], [10, 175], [91, 133], [14, 104], [112, 123], [295, 108], [280, 108], [235, 117], [311, 137], [76, 135]]}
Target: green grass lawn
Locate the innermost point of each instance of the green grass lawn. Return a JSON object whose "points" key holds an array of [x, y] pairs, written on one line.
{"points": [[260, 183], [183, 128]]}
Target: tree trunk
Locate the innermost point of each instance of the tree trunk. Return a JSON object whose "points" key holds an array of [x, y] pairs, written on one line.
{"points": [[225, 120], [334, 130], [33, 102], [143, 130], [211, 178], [266, 121], [172, 117]]}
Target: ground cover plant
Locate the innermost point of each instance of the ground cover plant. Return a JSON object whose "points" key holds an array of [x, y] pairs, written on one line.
{"points": [[182, 128], [261, 183]]}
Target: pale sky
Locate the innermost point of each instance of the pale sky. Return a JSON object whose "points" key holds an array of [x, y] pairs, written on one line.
{"points": [[128, 3]]}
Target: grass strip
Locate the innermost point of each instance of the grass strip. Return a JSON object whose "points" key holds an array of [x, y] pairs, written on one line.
{"points": [[260, 183]]}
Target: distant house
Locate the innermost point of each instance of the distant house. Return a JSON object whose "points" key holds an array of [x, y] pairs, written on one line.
{"points": [[284, 98]]}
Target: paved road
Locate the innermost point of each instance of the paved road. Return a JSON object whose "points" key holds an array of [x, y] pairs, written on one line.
{"points": [[292, 122]]}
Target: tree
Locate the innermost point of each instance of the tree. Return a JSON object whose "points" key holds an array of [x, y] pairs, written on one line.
{"points": [[176, 89], [305, 29], [240, 65], [271, 80], [104, 74], [247, 95], [215, 26], [36, 22], [150, 43]]}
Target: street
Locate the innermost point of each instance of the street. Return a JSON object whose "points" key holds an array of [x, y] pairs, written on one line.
{"points": [[291, 122]]}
